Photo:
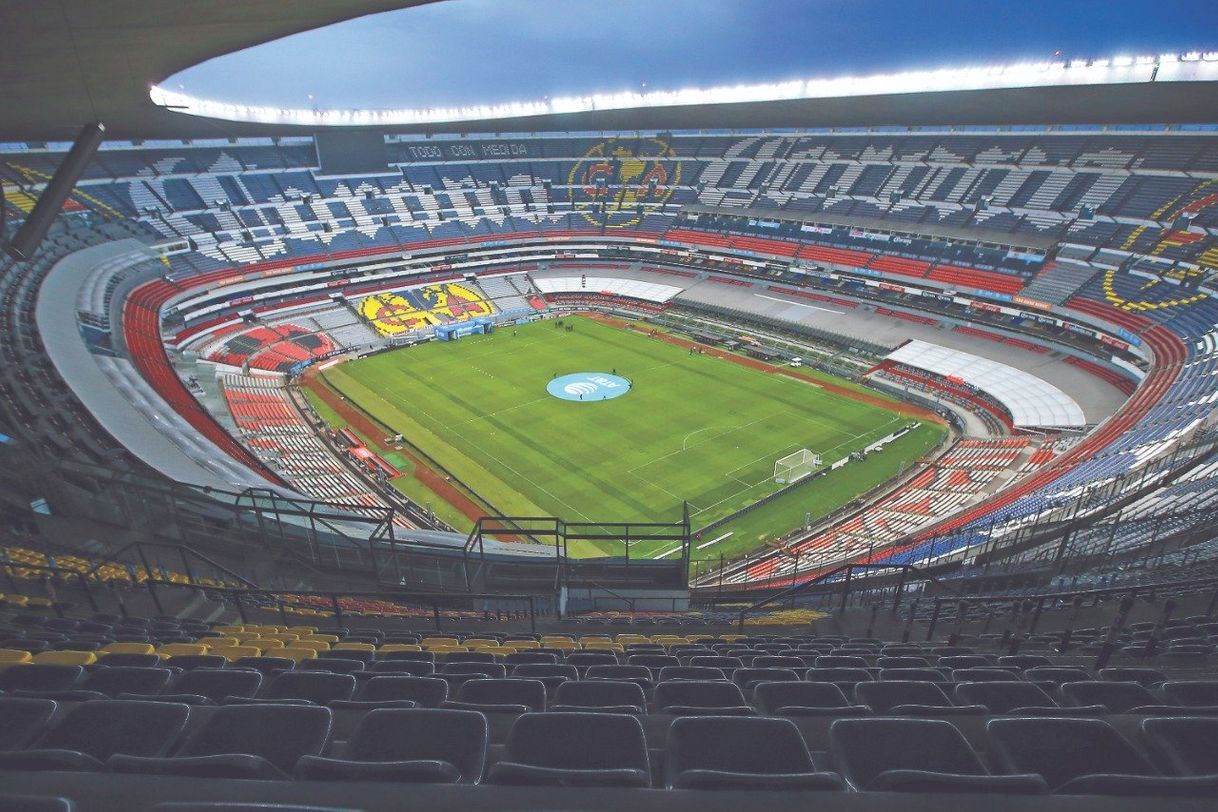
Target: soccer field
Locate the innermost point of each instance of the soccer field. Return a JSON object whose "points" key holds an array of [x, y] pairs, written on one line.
{"points": [[691, 428]]}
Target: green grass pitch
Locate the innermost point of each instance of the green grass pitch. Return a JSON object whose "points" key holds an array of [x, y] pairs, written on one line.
{"points": [[692, 428]]}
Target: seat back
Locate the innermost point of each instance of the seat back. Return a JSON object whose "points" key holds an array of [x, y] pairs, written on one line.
{"points": [[528, 692], [459, 737], [217, 683], [578, 741], [600, 693], [1183, 745], [884, 696], [1003, 697], [405, 667], [318, 687], [128, 680], [279, 733], [690, 693], [102, 728], [770, 697], [1117, 697], [1062, 749], [864, 748], [736, 744], [41, 677], [22, 719], [426, 692], [1192, 693]]}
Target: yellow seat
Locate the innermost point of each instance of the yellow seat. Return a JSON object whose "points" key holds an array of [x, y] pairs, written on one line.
{"points": [[595, 638], [446, 650], [218, 641], [318, 647], [296, 654], [264, 643], [732, 638], [562, 646], [228, 629], [399, 647], [556, 638], [64, 658], [286, 638], [129, 648], [180, 649], [439, 642], [320, 638], [521, 644], [616, 648], [473, 642], [12, 656], [302, 630], [231, 653], [627, 639], [353, 647]]}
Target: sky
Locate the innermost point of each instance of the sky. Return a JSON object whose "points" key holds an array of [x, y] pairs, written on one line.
{"points": [[459, 52]]}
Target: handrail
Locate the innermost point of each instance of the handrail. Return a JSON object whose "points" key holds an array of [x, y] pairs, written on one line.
{"points": [[1070, 594], [796, 589], [183, 549]]}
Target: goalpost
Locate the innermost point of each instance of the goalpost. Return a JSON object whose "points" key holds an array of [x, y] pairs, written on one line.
{"points": [[795, 467]]}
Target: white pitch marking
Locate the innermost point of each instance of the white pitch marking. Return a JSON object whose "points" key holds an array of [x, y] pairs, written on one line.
{"points": [[712, 541], [800, 304]]}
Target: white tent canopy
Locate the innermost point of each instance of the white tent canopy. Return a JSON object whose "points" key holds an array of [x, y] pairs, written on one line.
{"points": [[628, 288], [1031, 401]]}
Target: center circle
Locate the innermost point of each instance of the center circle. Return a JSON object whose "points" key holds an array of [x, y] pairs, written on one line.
{"points": [[586, 387]]}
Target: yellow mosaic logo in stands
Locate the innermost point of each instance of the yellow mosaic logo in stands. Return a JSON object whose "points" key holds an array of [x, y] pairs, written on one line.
{"points": [[1116, 299], [623, 174], [396, 313]]}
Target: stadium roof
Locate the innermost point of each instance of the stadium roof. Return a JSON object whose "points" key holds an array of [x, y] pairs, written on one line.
{"points": [[74, 61]]}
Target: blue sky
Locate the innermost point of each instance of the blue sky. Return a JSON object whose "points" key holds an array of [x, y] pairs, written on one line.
{"points": [[471, 51]]}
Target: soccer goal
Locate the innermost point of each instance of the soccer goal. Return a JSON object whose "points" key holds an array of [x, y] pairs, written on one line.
{"points": [[795, 467]]}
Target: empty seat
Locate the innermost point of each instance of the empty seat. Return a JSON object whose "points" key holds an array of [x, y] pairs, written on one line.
{"points": [[840, 661], [22, 719], [1056, 675], [501, 695], [333, 665], [457, 671], [844, 678], [963, 661], [1183, 745], [638, 674], [188, 662], [741, 753], [1146, 677], [1117, 697], [247, 741], [583, 659], [916, 755], [911, 699], [413, 656], [902, 662], [92, 732], [746, 678], [425, 745], [385, 691], [601, 696], [211, 686], [1024, 698], [804, 699], [726, 664], [575, 749], [269, 666], [35, 803], [108, 683], [549, 674], [1023, 662], [315, 687], [987, 674], [404, 667], [1084, 757], [41, 678], [912, 675], [1192, 693], [135, 660], [690, 672], [693, 698]]}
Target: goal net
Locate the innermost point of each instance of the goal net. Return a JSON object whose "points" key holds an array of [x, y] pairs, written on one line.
{"points": [[795, 467]]}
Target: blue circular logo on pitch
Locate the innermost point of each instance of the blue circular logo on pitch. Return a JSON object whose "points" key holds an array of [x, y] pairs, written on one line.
{"points": [[588, 386]]}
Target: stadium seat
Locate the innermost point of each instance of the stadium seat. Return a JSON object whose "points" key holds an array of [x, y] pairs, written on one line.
{"points": [[600, 696], [1192, 693], [689, 672], [739, 753], [574, 749], [134, 661], [303, 687], [1053, 676], [701, 698], [551, 675], [639, 674], [402, 667], [35, 803], [916, 755], [911, 699], [1083, 757], [41, 677], [1182, 745], [108, 683], [804, 699], [411, 746], [269, 666], [1014, 697], [507, 695], [90, 733], [333, 665], [22, 719], [249, 741], [1116, 697], [1146, 677], [211, 686], [844, 678]]}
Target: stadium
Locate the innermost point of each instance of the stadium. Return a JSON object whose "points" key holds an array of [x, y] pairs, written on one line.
{"points": [[786, 444]]}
